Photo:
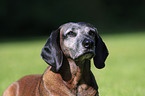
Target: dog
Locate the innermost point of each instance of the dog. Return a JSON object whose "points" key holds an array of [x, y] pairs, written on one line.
{"points": [[67, 52]]}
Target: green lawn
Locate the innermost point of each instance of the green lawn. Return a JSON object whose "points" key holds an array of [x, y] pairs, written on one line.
{"points": [[124, 74]]}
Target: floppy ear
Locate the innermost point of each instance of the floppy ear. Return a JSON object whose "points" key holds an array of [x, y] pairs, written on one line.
{"points": [[101, 52], [51, 52]]}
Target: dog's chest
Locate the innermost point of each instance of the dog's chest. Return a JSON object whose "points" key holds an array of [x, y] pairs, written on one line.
{"points": [[82, 90], [85, 90]]}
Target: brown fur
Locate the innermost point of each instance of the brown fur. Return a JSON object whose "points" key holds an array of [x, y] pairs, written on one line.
{"points": [[52, 84]]}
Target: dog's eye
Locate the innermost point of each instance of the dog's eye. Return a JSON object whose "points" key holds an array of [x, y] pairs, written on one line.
{"points": [[92, 33], [71, 34]]}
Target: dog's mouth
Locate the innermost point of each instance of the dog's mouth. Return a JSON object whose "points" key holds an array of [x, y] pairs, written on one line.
{"points": [[85, 56]]}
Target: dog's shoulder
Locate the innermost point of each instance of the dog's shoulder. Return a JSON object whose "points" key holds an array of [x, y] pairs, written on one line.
{"points": [[27, 82], [12, 90]]}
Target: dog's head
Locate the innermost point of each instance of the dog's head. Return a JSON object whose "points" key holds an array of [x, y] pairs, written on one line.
{"points": [[77, 41]]}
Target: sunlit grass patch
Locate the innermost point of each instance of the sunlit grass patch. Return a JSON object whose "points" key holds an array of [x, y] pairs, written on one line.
{"points": [[122, 76]]}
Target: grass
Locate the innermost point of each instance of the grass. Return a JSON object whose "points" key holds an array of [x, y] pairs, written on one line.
{"points": [[122, 76]]}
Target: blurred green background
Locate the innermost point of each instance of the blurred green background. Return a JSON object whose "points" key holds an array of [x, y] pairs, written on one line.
{"points": [[26, 25], [123, 74]]}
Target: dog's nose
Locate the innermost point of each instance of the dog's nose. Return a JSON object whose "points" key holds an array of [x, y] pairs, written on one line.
{"points": [[88, 43]]}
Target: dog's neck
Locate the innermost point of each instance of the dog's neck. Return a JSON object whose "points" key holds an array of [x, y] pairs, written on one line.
{"points": [[74, 73], [76, 76]]}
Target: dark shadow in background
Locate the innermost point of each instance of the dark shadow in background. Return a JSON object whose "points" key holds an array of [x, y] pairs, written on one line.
{"points": [[26, 18]]}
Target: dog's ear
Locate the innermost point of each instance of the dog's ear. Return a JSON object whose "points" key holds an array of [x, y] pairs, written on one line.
{"points": [[101, 52], [51, 52]]}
